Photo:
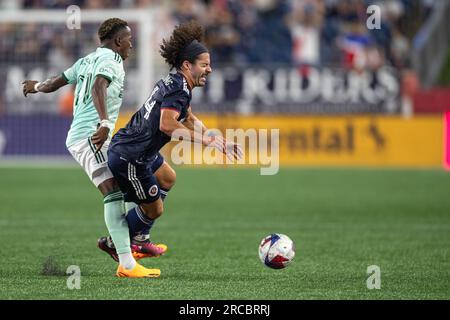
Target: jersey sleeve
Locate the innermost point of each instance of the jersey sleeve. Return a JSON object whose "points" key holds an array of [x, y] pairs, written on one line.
{"points": [[108, 69], [175, 100], [71, 74]]}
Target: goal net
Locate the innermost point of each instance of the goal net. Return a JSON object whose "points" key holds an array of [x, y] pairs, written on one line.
{"points": [[38, 44]]}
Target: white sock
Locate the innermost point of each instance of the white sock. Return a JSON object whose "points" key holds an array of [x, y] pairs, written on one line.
{"points": [[127, 261], [141, 237]]}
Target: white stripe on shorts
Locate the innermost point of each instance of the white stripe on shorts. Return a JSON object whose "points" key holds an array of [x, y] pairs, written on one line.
{"points": [[138, 182], [135, 182]]}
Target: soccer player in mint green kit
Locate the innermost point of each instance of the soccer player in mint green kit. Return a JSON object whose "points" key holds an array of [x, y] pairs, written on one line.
{"points": [[99, 79]]}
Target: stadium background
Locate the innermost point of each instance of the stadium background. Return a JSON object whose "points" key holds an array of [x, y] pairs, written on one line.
{"points": [[374, 103]]}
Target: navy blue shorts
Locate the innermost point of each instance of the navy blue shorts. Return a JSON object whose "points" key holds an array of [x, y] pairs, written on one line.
{"points": [[136, 181]]}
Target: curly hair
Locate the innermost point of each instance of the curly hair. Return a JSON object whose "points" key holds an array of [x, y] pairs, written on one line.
{"points": [[182, 36], [110, 27]]}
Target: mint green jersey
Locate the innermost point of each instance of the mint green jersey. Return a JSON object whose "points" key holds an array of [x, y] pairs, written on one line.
{"points": [[103, 62]]}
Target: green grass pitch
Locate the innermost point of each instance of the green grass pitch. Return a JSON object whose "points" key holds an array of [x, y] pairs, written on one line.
{"points": [[341, 220]]}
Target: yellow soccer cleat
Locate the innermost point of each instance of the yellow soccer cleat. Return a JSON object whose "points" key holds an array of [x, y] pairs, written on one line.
{"points": [[137, 272], [148, 250]]}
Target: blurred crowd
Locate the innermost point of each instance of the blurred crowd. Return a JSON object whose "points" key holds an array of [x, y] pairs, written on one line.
{"points": [[317, 32]]}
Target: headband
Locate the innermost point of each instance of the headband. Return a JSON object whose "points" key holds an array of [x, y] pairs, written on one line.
{"points": [[191, 51]]}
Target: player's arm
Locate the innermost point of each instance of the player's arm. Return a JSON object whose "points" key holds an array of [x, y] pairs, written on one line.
{"points": [[231, 149], [191, 120], [170, 126], [99, 92], [49, 85]]}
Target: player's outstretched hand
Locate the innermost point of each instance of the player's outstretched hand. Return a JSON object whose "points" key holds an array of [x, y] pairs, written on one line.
{"points": [[234, 151], [99, 137], [28, 87]]}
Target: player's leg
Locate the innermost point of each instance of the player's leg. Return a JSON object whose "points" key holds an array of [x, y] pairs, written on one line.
{"points": [[121, 171], [165, 177], [150, 207], [144, 190], [164, 174], [116, 223], [155, 205], [141, 246], [96, 167], [140, 186]]}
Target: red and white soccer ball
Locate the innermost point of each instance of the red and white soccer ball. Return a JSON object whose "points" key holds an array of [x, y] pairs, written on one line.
{"points": [[276, 251]]}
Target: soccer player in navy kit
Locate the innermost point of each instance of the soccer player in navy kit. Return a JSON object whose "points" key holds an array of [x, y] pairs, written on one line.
{"points": [[143, 175]]}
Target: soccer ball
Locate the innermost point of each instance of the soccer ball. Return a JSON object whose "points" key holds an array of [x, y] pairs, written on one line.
{"points": [[276, 251]]}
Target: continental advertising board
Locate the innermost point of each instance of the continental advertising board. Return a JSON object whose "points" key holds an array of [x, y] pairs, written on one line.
{"points": [[379, 141]]}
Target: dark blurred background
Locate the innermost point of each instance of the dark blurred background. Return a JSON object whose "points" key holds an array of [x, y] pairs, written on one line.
{"points": [[270, 57]]}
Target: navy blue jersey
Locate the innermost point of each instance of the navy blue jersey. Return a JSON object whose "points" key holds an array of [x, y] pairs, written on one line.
{"points": [[141, 139]]}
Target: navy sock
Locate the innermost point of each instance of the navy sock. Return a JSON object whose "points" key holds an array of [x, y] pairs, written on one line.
{"points": [[138, 222]]}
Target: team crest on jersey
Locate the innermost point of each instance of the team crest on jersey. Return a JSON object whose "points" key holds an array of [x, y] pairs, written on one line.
{"points": [[153, 190], [106, 69]]}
